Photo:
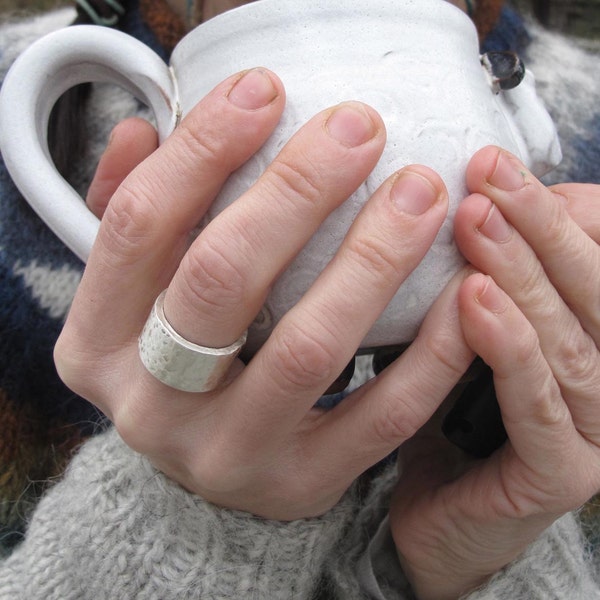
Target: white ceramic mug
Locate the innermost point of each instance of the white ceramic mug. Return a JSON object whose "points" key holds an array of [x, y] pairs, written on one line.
{"points": [[415, 61]]}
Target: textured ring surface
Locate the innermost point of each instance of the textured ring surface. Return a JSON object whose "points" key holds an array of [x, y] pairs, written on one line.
{"points": [[178, 363]]}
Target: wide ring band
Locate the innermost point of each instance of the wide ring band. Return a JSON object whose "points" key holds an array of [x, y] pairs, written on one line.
{"points": [[178, 363]]}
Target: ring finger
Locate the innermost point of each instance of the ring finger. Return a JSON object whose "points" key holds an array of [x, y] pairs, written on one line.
{"points": [[223, 279]]}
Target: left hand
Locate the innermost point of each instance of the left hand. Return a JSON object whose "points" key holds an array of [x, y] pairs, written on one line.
{"points": [[532, 314]]}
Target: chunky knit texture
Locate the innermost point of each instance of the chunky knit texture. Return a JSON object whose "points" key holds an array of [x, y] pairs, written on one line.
{"points": [[117, 528]]}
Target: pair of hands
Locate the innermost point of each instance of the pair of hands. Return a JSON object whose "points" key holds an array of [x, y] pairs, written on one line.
{"points": [[528, 307]]}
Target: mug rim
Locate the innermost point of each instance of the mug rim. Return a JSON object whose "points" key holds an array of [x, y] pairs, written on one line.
{"points": [[267, 13]]}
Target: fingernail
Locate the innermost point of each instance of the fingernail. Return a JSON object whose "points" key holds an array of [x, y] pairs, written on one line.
{"points": [[492, 298], [495, 226], [509, 175], [413, 194], [351, 125], [253, 90]]}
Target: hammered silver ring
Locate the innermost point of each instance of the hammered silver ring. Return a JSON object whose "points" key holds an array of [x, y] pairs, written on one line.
{"points": [[179, 363]]}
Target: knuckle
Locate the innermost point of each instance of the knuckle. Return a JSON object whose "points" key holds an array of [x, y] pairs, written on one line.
{"points": [[135, 430], [450, 364], [129, 221], [549, 409], [533, 287], [143, 429], [556, 230], [72, 360], [213, 281], [372, 255], [397, 421], [195, 144], [301, 185], [578, 357], [217, 469], [301, 359], [67, 362]]}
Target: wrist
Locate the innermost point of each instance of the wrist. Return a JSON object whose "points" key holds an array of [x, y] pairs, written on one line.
{"points": [[450, 556]]}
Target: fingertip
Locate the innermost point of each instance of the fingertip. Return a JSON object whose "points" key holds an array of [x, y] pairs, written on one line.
{"points": [[353, 124], [255, 89], [130, 143], [415, 189], [472, 288], [481, 167], [134, 132], [489, 296], [415, 193], [472, 211]]}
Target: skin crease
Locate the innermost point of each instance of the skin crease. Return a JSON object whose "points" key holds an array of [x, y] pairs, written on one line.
{"points": [[256, 444]]}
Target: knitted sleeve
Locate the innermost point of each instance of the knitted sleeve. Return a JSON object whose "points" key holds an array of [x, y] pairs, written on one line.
{"points": [[114, 527], [556, 566], [559, 565]]}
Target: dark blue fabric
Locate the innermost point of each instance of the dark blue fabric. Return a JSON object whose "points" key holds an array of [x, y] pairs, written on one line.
{"points": [[510, 33], [28, 333], [133, 24], [587, 150]]}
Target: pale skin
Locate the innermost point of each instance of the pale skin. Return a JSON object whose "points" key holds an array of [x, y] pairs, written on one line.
{"points": [[527, 305]]}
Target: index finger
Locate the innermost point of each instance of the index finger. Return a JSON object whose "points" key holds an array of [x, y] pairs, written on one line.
{"points": [[146, 227]]}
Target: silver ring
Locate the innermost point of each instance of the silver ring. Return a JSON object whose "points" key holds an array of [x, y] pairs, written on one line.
{"points": [[178, 363]]}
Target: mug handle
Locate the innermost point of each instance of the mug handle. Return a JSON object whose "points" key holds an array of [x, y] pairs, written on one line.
{"points": [[49, 67]]}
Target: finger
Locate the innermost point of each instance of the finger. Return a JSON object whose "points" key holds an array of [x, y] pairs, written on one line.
{"points": [[131, 142], [538, 422], [223, 279], [490, 243], [582, 202], [316, 339], [268, 403], [564, 251], [146, 226], [390, 409]]}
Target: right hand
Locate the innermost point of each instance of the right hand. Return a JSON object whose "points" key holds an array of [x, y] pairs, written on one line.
{"points": [[257, 444]]}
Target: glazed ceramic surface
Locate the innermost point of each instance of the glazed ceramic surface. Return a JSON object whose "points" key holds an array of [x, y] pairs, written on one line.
{"points": [[415, 61]]}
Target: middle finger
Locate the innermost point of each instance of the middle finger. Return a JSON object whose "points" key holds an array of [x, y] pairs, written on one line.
{"points": [[223, 279]]}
